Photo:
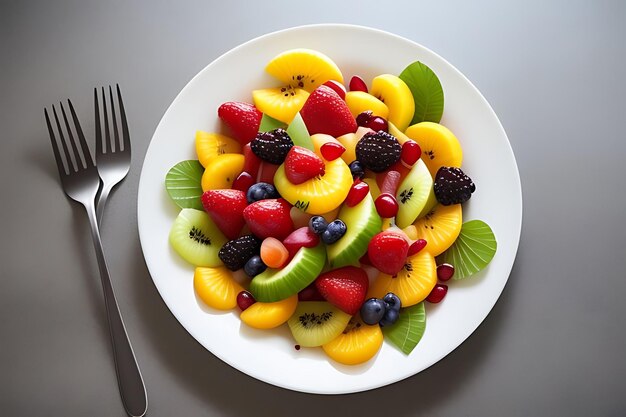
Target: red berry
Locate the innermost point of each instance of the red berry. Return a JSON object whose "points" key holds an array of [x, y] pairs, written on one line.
{"points": [[245, 300], [437, 294], [226, 209], [338, 87], [357, 193], [243, 182], [325, 112], [310, 293], [416, 246], [345, 288], [357, 84], [391, 180], [386, 205], [378, 123], [251, 162], [411, 152], [302, 164], [269, 217], [299, 238], [387, 252], [266, 172], [445, 272], [243, 119], [364, 117], [331, 150]]}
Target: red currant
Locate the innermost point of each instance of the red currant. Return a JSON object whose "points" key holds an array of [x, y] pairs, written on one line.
{"points": [[411, 152], [331, 150], [378, 123], [245, 300], [386, 205], [437, 294], [445, 272]]}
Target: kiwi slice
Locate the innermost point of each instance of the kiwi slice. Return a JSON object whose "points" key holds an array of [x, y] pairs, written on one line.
{"points": [[362, 222], [315, 323], [277, 284], [196, 238], [299, 134], [413, 193]]}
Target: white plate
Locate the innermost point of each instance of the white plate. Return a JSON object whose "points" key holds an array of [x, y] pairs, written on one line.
{"points": [[270, 355]]}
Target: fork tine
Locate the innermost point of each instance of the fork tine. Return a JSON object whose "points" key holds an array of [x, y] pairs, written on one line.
{"points": [[99, 149], [125, 133], [107, 135], [116, 146], [81, 137], [70, 164], [79, 161], [55, 146]]}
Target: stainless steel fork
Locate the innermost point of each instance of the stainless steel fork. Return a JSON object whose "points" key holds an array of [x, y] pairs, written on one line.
{"points": [[112, 154], [80, 182]]}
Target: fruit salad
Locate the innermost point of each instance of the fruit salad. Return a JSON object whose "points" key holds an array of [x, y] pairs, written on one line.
{"points": [[335, 211]]}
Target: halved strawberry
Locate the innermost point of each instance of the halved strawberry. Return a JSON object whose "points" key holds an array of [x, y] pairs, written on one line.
{"points": [[387, 251], [243, 119], [345, 288], [226, 209], [269, 218], [302, 164], [325, 112]]}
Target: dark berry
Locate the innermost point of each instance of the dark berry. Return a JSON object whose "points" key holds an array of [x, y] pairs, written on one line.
{"points": [[235, 253], [373, 310], [245, 300], [272, 146], [392, 301], [390, 317], [254, 266], [261, 191], [378, 150], [364, 117], [318, 224], [370, 120], [335, 231], [356, 169], [452, 186]]}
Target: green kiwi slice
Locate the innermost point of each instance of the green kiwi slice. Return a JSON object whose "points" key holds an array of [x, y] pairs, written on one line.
{"points": [[299, 134], [196, 238], [362, 223], [413, 193], [315, 323]]}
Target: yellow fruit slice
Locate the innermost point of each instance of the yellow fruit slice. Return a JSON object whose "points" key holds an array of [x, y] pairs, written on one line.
{"points": [[357, 344], [412, 284], [303, 68], [318, 195], [222, 171], [349, 141], [439, 145], [439, 227], [269, 315], [216, 287], [374, 189], [393, 130], [360, 101], [281, 103], [211, 145], [394, 92]]}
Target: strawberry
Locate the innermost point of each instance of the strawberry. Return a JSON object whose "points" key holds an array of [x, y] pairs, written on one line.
{"points": [[387, 251], [302, 164], [325, 112], [243, 119], [345, 288], [269, 218], [226, 209]]}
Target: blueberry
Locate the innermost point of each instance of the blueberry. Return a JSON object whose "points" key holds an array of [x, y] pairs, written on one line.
{"points": [[392, 301], [357, 170], [254, 266], [390, 317], [261, 191], [373, 310], [318, 224], [335, 231]]}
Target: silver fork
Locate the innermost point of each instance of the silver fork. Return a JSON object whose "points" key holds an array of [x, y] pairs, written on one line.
{"points": [[112, 156], [80, 182]]}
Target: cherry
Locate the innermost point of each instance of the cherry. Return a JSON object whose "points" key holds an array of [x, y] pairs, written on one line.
{"points": [[338, 87], [331, 150], [445, 272], [357, 193], [437, 294], [411, 152], [378, 123], [364, 117], [245, 300], [386, 205], [357, 84], [416, 246], [243, 182]]}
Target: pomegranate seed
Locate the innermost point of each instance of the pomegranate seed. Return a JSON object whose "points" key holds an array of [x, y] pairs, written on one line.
{"points": [[445, 272], [411, 152], [437, 294], [357, 193], [386, 205], [338, 87], [331, 150], [378, 123], [357, 84], [243, 182], [245, 300], [417, 246], [390, 183]]}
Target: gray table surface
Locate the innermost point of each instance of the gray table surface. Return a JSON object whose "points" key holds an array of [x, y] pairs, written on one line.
{"points": [[553, 344]]}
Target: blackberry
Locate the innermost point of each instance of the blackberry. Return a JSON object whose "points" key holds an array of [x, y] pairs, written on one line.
{"points": [[452, 186], [378, 151], [235, 253], [272, 146]]}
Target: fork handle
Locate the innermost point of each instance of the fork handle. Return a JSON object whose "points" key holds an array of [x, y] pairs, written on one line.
{"points": [[102, 200], [130, 381]]}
